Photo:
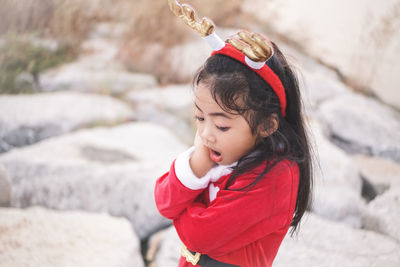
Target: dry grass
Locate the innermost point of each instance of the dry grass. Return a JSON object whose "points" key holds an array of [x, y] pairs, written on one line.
{"points": [[66, 20], [150, 23], [154, 30]]}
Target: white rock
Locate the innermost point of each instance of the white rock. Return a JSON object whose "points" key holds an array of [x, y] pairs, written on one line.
{"points": [[175, 64], [76, 77], [317, 82], [383, 214], [26, 119], [382, 173], [359, 38], [5, 188], [170, 106], [164, 249], [39, 237], [337, 184], [321, 242], [361, 124], [104, 170]]}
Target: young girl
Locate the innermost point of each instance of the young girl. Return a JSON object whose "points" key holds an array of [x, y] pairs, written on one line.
{"points": [[234, 195]]}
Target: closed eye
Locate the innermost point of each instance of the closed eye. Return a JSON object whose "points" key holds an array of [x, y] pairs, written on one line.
{"points": [[223, 129], [198, 118]]}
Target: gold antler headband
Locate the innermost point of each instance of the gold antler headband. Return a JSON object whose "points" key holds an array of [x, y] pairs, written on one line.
{"points": [[188, 15], [252, 49], [255, 46]]}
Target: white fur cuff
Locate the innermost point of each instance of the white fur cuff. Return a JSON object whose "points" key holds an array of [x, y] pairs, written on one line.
{"points": [[185, 174]]}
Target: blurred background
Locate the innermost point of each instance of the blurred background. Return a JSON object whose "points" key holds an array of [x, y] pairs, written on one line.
{"points": [[96, 102]]}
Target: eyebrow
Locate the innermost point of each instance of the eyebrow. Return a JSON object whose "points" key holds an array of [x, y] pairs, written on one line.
{"points": [[214, 114]]}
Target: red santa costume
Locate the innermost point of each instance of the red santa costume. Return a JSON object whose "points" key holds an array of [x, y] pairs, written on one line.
{"points": [[242, 227]]}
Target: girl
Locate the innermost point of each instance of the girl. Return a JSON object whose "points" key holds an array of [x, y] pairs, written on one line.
{"points": [[234, 195]]}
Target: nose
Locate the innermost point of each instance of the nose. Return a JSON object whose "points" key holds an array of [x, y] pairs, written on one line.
{"points": [[207, 134]]}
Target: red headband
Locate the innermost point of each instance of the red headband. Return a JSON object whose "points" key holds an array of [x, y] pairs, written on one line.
{"points": [[265, 72]]}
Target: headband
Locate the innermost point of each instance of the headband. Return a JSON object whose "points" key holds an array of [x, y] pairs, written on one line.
{"points": [[253, 50]]}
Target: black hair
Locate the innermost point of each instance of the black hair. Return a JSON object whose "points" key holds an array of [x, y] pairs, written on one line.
{"points": [[238, 89]]}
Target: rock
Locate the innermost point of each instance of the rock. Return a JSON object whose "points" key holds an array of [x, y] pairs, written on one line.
{"points": [[361, 124], [102, 170], [317, 82], [79, 78], [321, 242], [170, 106], [109, 30], [26, 119], [360, 39], [40, 237], [5, 188], [383, 214], [337, 184], [382, 173], [164, 249], [97, 69], [174, 64]]}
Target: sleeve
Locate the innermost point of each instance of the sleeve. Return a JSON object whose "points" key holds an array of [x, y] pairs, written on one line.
{"points": [[179, 187], [237, 218]]}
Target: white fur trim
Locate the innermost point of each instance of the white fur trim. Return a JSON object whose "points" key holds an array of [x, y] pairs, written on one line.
{"points": [[212, 191], [254, 64], [185, 174], [220, 170], [214, 41]]}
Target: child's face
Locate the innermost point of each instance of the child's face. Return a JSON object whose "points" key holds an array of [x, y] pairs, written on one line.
{"points": [[228, 137]]}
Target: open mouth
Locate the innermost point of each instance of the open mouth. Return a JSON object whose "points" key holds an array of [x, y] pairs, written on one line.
{"points": [[215, 155]]}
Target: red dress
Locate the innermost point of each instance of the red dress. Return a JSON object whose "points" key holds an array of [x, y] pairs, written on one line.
{"points": [[235, 227]]}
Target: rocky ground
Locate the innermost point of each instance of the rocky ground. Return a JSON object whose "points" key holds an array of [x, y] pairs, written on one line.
{"points": [[79, 161]]}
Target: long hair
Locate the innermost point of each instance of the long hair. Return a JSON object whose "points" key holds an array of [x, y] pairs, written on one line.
{"points": [[238, 89]]}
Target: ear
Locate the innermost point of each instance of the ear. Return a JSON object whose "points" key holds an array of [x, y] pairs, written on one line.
{"points": [[270, 126]]}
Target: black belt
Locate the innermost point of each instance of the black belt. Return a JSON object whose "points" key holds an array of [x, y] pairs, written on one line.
{"points": [[202, 259]]}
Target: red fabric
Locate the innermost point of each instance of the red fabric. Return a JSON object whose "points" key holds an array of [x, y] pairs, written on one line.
{"points": [[265, 72], [239, 228]]}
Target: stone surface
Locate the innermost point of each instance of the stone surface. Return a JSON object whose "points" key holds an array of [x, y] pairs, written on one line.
{"points": [[170, 106], [97, 69], [359, 38], [383, 214], [5, 188], [175, 64], [321, 242], [337, 184], [164, 249], [382, 173], [103, 170], [79, 78], [26, 119], [40, 237], [317, 82], [361, 124]]}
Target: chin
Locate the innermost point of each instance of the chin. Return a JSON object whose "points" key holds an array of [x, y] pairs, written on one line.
{"points": [[225, 162]]}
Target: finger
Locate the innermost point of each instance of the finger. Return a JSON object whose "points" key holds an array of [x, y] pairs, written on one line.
{"points": [[175, 7]]}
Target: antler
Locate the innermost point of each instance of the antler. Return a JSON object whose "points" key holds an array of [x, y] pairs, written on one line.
{"points": [[188, 15], [254, 45]]}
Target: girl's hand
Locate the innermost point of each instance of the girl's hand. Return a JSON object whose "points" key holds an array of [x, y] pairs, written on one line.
{"points": [[200, 161]]}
